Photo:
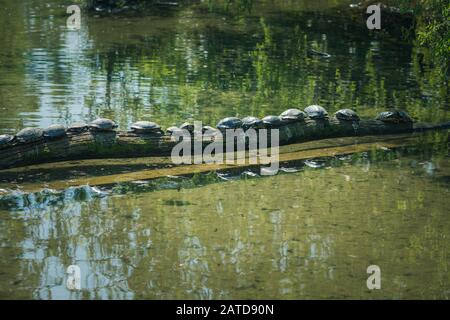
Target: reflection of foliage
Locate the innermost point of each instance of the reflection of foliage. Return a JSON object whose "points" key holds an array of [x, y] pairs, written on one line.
{"points": [[235, 7], [207, 66], [116, 4], [433, 26], [268, 72]]}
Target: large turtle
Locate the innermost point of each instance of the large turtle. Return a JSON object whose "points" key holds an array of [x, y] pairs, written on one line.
{"points": [[252, 123], [316, 112], [55, 131], [293, 115], [28, 135], [77, 127], [102, 124], [6, 140], [146, 127], [229, 123], [394, 116], [347, 115], [273, 121]]}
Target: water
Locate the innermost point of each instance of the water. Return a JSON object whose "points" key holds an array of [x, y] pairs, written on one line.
{"points": [[307, 233], [194, 64]]}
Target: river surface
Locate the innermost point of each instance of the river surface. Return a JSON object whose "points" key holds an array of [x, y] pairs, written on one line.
{"points": [[308, 233]]}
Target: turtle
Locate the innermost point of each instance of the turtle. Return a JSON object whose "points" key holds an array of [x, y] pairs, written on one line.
{"points": [[187, 126], [55, 131], [77, 127], [293, 115], [29, 135], [273, 121], [171, 130], [175, 132], [102, 124], [229, 123], [209, 130], [252, 123], [316, 112], [146, 127], [6, 140], [394, 116], [346, 114]]}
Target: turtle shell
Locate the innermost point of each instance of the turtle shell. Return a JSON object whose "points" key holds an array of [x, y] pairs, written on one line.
{"points": [[252, 122], [273, 121], [172, 129], [229, 123], [146, 127], [103, 124], [29, 135], [316, 112], [394, 116], [293, 115], [55, 131], [347, 114], [187, 126], [77, 127], [5, 140], [209, 130]]}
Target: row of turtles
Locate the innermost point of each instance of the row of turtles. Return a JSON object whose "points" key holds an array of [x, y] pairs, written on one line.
{"points": [[288, 116], [28, 135], [315, 112]]}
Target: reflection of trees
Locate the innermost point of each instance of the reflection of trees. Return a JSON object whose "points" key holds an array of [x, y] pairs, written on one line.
{"points": [[191, 64], [12, 71], [310, 234]]}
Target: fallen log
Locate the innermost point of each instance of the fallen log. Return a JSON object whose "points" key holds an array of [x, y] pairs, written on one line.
{"points": [[108, 172], [121, 144]]}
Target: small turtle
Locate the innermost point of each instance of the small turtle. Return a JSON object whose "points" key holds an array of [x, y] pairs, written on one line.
{"points": [[6, 140], [394, 116], [229, 123], [55, 131], [77, 127], [293, 115], [273, 121], [146, 127], [29, 135], [252, 123], [187, 126], [347, 114], [171, 130], [316, 112], [209, 130], [102, 124]]}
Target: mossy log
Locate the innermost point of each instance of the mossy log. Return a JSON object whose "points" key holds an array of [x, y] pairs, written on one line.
{"points": [[110, 172], [121, 144]]}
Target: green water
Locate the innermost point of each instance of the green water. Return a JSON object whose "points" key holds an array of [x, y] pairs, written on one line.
{"points": [[309, 234], [303, 235]]}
